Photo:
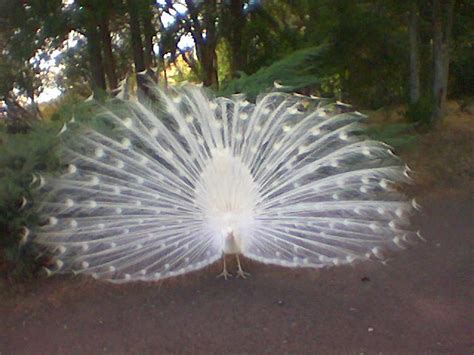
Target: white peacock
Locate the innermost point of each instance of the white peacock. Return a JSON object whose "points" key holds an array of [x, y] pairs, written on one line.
{"points": [[287, 181]]}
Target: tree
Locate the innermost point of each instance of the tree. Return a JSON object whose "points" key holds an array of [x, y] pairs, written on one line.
{"points": [[142, 32], [89, 13], [110, 66], [461, 70], [29, 30], [413, 28], [149, 32], [443, 11], [201, 23], [232, 28], [136, 36]]}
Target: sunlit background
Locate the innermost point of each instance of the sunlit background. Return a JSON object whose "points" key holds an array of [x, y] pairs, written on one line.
{"points": [[50, 63]]}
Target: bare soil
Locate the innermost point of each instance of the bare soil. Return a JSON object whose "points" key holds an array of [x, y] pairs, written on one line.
{"points": [[420, 302]]}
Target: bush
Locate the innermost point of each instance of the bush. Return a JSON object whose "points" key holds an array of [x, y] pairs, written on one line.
{"points": [[21, 155], [421, 112], [25, 152], [295, 72]]}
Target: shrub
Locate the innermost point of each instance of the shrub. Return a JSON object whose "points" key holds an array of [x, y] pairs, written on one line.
{"points": [[295, 72], [421, 111], [21, 154]]}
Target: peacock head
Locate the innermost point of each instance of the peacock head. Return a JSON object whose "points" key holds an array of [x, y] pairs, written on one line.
{"points": [[231, 243]]}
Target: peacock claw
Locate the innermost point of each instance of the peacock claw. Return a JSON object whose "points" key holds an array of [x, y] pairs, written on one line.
{"points": [[225, 274], [242, 274]]}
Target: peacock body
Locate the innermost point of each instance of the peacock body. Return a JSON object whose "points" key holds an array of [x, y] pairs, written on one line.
{"points": [[289, 181]]}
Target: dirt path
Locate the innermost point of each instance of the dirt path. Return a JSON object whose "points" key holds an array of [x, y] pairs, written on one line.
{"points": [[420, 302]]}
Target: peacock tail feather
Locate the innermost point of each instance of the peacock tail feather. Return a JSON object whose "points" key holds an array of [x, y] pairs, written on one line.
{"points": [[157, 193]]}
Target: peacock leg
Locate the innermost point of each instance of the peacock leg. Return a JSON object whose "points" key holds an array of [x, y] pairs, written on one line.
{"points": [[241, 273], [225, 274]]}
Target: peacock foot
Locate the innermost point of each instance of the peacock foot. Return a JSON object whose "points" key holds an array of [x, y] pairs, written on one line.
{"points": [[241, 273], [225, 274]]}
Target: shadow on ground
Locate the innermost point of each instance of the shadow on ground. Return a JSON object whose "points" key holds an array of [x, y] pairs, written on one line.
{"points": [[419, 302]]}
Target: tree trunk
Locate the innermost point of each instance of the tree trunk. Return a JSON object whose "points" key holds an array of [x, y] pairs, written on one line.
{"points": [[441, 44], [35, 107], [447, 54], [109, 60], [209, 66], [149, 32], [137, 46], [165, 76], [205, 45], [237, 24], [414, 55], [95, 60], [90, 23], [208, 45], [21, 117], [28, 84]]}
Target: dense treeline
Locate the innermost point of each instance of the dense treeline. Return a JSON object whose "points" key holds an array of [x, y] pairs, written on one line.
{"points": [[371, 53], [368, 52]]}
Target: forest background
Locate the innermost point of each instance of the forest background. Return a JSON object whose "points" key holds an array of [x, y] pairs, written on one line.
{"points": [[407, 63]]}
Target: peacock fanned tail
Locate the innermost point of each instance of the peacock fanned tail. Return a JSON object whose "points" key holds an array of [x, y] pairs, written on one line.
{"points": [[157, 190]]}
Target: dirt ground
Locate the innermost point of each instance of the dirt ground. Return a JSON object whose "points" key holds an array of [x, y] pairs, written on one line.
{"points": [[420, 302]]}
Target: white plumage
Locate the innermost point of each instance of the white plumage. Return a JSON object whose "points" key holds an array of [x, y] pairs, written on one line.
{"points": [[288, 181]]}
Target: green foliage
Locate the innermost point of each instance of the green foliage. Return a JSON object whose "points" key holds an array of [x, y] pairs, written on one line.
{"points": [[332, 84], [21, 155], [223, 61], [369, 45], [401, 136], [422, 111], [461, 68], [366, 61], [297, 71], [268, 36], [27, 27]]}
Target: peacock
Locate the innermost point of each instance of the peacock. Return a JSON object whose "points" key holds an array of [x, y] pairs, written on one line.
{"points": [[167, 186]]}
